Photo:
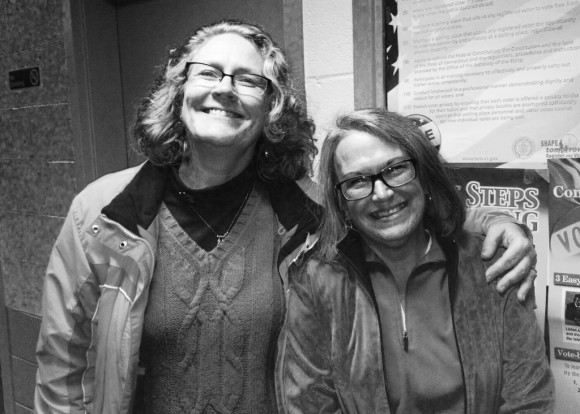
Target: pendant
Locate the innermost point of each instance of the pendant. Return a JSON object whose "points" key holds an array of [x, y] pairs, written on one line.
{"points": [[221, 238]]}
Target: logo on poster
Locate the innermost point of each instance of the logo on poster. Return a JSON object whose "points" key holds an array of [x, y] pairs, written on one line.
{"points": [[523, 148], [428, 127], [569, 141]]}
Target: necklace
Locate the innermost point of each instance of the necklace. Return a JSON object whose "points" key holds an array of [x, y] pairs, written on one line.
{"points": [[220, 237]]}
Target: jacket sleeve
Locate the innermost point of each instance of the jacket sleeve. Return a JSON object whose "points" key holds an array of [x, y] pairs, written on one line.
{"points": [[528, 383], [69, 299], [306, 372]]}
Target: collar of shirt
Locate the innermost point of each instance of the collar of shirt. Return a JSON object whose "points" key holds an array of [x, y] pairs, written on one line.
{"points": [[433, 253]]}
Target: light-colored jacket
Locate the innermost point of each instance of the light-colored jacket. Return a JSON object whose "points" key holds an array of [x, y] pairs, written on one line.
{"points": [[97, 283]]}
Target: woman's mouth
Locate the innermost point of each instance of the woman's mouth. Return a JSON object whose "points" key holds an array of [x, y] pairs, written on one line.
{"points": [[222, 113], [384, 213]]}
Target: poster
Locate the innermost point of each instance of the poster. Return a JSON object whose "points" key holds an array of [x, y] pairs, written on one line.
{"points": [[523, 194], [564, 281], [493, 81]]}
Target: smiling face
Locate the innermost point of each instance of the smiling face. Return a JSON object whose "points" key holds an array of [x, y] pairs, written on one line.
{"points": [[218, 116], [389, 217]]}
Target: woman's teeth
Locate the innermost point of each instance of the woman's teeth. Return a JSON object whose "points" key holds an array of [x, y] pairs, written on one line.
{"points": [[220, 112], [385, 213]]}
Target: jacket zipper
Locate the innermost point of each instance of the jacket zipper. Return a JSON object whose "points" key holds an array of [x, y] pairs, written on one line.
{"points": [[404, 321], [405, 332], [403, 315], [149, 276]]}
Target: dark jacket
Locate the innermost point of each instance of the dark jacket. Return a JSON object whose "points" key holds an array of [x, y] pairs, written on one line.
{"points": [[332, 359], [97, 285]]}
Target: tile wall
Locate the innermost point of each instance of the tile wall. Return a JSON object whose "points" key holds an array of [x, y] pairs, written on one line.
{"points": [[37, 161], [328, 61]]}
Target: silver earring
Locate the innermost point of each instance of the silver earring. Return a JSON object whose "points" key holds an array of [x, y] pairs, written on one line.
{"points": [[347, 223]]}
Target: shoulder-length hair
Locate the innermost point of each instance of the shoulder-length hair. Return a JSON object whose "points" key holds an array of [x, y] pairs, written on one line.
{"points": [[286, 149], [445, 210]]}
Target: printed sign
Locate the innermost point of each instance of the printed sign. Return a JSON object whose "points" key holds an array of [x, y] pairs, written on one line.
{"points": [[24, 78], [521, 193], [564, 287], [498, 79]]}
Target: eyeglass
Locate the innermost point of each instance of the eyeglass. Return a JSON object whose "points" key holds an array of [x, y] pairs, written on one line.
{"points": [[395, 175], [209, 76]]}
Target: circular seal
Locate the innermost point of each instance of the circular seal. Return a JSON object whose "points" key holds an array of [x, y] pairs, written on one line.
{"points": [[428, 127], [523, 148], [569, 141]]}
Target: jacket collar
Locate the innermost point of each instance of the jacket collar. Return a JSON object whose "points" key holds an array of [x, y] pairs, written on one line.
{"points": [[295, 210], [137, 205], [351, 247]]}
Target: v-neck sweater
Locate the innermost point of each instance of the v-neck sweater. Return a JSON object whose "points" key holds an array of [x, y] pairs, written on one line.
{"points": [[213, 317]]}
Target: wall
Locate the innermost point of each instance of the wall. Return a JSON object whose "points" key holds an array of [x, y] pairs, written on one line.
{"points": [[36, 147], [343, 58], [37, 172], [328, 60]]}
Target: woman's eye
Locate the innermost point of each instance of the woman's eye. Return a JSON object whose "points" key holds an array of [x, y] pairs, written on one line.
{"points": [[208, 74], [357, 182], [246, 80], [396, 170]]}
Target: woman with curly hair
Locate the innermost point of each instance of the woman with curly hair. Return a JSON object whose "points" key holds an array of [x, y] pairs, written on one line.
{"points": [[165, 291]]}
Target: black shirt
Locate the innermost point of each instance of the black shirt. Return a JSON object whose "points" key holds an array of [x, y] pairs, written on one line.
{"points": [[218, 206]]}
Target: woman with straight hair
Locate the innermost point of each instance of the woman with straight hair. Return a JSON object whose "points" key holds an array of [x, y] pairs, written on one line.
{"points": [[391, 311]]}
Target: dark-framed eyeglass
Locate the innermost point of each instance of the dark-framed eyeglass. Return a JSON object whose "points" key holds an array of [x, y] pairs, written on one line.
{"points": [[394, 175], [208, 76]]}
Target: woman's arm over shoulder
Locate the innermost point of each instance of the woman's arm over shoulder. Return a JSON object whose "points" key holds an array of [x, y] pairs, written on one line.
{"points": [[307, 374], [528, 383], [480, 219], [516, 265], [68, 302]]}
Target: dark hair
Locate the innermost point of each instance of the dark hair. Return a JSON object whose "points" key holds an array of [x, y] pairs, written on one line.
{"points": [[286, 149], [445, 210]]}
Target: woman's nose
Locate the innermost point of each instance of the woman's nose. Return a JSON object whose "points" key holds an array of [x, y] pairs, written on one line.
{"points": [[381, 190], [225, 86]]}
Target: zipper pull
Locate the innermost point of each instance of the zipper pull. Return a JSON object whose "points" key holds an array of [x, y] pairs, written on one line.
{"points": [[405, 341]]}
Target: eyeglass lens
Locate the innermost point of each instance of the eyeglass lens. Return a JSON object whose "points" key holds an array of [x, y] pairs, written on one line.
{"points": [[393, 176], [244, 83]]}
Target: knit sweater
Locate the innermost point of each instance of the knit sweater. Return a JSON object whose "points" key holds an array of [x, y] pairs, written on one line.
{"points": [[214, 312]]}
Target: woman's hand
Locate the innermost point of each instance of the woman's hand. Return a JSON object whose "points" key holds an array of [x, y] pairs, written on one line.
{"points": [[518, 260]]}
